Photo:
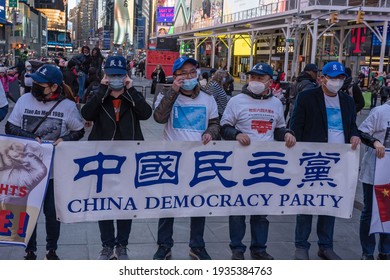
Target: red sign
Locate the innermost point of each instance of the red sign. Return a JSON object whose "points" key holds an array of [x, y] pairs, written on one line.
{"points": [[164, 58]]}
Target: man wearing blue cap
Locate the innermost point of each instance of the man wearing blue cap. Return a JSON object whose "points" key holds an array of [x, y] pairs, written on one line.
{"points": [[62, 122], [323, 114], [255, 115], [189, 114], [116, 111]]}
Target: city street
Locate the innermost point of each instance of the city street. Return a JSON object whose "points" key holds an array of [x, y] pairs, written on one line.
{"points": [[81, 241]]}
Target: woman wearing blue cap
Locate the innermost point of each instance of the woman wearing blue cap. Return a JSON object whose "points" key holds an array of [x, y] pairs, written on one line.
{"points": [[61, 123]]}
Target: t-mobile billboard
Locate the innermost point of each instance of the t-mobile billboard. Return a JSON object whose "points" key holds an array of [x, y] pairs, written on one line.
{"points": [[123, 21]]}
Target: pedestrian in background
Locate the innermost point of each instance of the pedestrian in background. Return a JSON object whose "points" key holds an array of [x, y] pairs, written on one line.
{"points": [[215, 88], [308, 78], [116, 111], [48, 93], [81, 62], [201, 125], [25, 80], [158, 76], [323, 114], [352, 89], [375, 88], [93, 84], [241, 122], [7, 77], [204, 79], [141, 68], [70, 78], [374, 133], [97, 61]]}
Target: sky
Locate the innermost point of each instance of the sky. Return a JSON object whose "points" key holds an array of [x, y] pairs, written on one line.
{"points": [[71, 4]]}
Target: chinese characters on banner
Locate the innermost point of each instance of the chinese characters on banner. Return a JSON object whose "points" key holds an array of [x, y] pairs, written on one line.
{"points": [[24, 173], [128, 179], [380, 221]]}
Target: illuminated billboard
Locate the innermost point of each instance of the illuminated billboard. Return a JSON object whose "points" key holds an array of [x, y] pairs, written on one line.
{"points": [[206, 13], [123, 21], [265, 7], [165, 14]]}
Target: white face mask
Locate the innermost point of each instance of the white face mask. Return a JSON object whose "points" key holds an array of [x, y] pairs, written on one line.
{"points": [[256, 87], [334, 85]]}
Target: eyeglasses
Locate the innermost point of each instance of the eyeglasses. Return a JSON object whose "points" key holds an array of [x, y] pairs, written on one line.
{"points": [[191, 74]]}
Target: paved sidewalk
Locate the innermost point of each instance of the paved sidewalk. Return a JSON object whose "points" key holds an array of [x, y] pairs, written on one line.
{"points": [[81, 241]]}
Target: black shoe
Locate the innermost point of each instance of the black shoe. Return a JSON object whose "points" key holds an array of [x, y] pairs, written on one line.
{"points": [[367, 257], [162, 253], [328, 254], [51, 255], [261, 255], [382, 256], [30, 256], [301, 254], [199, 254], [237, 255]]}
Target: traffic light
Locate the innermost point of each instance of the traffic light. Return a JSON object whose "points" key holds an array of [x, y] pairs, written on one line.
{"points": [[360, 17], [334, 18]]}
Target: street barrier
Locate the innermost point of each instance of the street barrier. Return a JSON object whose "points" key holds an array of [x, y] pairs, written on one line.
{"points": [[143, 89]]}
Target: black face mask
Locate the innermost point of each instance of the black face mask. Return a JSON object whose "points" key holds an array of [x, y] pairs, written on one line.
{"points": [[38, 92]]}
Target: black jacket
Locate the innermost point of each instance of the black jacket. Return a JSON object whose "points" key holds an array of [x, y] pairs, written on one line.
{"points": [[309, 119], [70, 79], [305, 82], [357, 95], [81, 62], [100, 110]]}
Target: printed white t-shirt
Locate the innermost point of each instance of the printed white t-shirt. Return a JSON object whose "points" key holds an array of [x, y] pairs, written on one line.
{"points": [[256, 118], [377, 124], [189, 117], [28, 112], [335, 121]]}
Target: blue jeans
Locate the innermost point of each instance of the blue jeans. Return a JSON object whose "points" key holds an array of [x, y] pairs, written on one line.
{"points": [[367, 241], [325, 229], [165, 232], [259, 232], [81, 79], [107, 233], [52, 225]]}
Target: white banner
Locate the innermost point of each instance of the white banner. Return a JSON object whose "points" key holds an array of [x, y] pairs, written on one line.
{"points": [[24, 172], [128, 179], [380, 221]]}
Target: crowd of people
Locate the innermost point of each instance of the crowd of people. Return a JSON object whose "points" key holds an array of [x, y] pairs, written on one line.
{"points": [[320, 108]]}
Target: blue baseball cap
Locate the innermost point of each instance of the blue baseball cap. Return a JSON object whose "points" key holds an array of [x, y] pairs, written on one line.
{"points": [[261, 69], [334, 69], [47, 73], [180, 62], [115, 65]]}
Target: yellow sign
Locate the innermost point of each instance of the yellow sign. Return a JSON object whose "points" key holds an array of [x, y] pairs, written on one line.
{"points": [[203, 34], [242, 47]]}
